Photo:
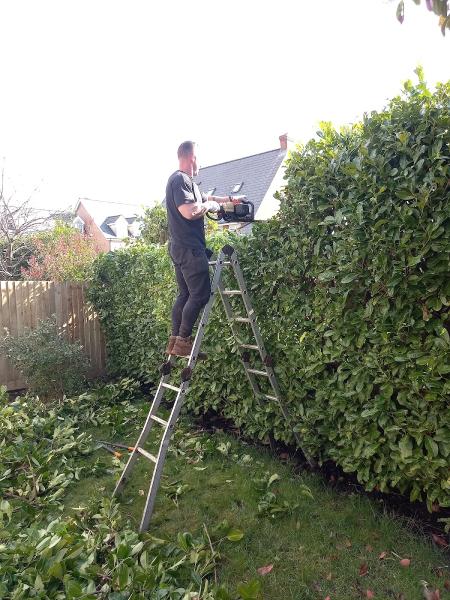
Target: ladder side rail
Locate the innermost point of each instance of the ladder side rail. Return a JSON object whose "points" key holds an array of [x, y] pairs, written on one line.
{"points": [[229, 313], [143, 435], [179, 401], [258, 337], [160, 460], [248, 307]]}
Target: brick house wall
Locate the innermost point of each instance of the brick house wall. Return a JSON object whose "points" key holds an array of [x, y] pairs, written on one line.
{"points": [[91, 229]]}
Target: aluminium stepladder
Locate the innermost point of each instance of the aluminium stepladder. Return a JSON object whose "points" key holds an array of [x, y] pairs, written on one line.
{"points": [[226, 257]]}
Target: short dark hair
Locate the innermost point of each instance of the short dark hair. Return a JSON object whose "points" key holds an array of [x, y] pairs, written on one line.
{"points": [[186, 149]]}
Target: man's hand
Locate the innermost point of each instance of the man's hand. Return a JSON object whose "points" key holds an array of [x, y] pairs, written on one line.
{"points": [[208, 206]]}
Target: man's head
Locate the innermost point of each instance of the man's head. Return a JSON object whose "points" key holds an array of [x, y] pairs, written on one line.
{"points": [[187, 158]]}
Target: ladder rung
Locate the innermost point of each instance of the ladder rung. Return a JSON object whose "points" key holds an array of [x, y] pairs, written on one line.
{"points": [[147, 454], [224, 262], [241, 319], [232, 292], [159, 420], [171, 387], [249, 346], [256, 372], [269, 397]]}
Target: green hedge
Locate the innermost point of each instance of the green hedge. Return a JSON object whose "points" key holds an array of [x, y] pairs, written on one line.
{"points": [[352, 290]]}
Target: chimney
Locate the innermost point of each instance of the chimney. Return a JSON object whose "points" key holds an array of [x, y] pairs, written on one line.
{"points": [[285, 141]]}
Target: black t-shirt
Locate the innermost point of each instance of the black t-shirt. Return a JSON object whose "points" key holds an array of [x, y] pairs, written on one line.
{"points": [[181, 189]]}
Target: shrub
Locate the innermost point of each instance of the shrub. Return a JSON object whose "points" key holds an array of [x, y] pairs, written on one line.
{"points": [[62, 254], [51, 365], [351, 286]]}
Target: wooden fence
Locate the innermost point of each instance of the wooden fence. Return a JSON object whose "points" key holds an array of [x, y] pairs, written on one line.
{"points": [[25, 303]]}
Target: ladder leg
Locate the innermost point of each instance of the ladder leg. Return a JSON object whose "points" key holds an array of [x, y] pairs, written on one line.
{"points": [[157, 471], [264, 356], [164, 445], [229, 314], [143, 435]]}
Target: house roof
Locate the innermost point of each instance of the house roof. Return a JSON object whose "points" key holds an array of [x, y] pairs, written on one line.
{"points": [[255, 172], [104, 213]]}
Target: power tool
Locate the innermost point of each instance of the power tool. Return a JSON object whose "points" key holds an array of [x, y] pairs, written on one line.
{"points": [[232, 212]]}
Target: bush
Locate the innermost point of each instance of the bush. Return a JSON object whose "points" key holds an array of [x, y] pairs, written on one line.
{"points": [[61, 254], [352, 290], [51, 365]]}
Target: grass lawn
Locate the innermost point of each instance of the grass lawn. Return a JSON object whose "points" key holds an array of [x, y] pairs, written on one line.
{"points": [[333, 544]]}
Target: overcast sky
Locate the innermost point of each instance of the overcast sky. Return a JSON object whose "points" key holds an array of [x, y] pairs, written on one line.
{"points": [[96, 95]]}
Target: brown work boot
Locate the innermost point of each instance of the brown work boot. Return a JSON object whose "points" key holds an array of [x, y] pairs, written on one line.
{"points": [[170, 344], [183, 348]]}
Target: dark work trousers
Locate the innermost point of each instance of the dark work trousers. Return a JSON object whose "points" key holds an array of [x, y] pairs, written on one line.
{"points": [[194, 287]]}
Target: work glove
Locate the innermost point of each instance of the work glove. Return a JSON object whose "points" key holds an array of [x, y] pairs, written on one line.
{"points": [[211, 206]]}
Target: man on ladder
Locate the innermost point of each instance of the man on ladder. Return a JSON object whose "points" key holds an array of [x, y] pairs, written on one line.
{"points": [[186, 207]]}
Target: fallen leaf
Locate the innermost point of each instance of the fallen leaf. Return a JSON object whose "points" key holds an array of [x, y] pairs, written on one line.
{"points": [[265, 570], [363, 569], [439, 540], [447, 584], [370, 594], [383, 555], [329, 576], [369, 548], [328, 598], [141, 493], [405, 562], [348, 544], [284, 455], [430, 594]]}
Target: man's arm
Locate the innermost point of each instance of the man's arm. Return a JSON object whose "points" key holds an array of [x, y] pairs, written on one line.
{"points": [[224, 199], [194, 211], [190, 206]]}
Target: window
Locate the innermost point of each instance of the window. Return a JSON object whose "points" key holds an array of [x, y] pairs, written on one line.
{"points": [[79, 224], [237, 187]]}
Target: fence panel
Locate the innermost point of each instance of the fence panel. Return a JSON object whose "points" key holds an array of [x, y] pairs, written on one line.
{"points": [[25, 303]]}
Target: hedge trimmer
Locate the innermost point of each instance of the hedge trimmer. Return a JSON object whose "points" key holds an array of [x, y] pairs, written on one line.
{"points": [[239, 211]]}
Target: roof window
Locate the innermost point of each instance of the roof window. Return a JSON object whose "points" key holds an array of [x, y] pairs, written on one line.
{"points": [[237, 187], [211, 191]]}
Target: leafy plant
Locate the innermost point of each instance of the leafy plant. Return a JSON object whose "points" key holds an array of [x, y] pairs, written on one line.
{"points": [[271, 504], [351, 286], [61, 254], [95, 554], [51, 365], [154, 226], [38, 452]]}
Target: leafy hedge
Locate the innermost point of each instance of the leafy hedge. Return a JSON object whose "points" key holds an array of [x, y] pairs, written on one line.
{"points": [[352, 289]]}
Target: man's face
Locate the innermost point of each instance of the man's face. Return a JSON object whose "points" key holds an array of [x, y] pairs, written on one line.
{"points": [[195, 163]]}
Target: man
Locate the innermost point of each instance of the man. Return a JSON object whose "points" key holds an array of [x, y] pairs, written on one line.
{"points": [[186, 207]]}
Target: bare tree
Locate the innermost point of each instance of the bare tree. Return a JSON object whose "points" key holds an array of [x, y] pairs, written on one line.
{"points": [[19, 221]]}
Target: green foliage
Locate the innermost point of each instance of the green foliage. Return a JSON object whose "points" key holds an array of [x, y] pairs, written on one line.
{"points": [[154, 225], [132, 290], [38, 451], [60, 254], [51, 365], [352, 290], [95, 553], [154, 228]]}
